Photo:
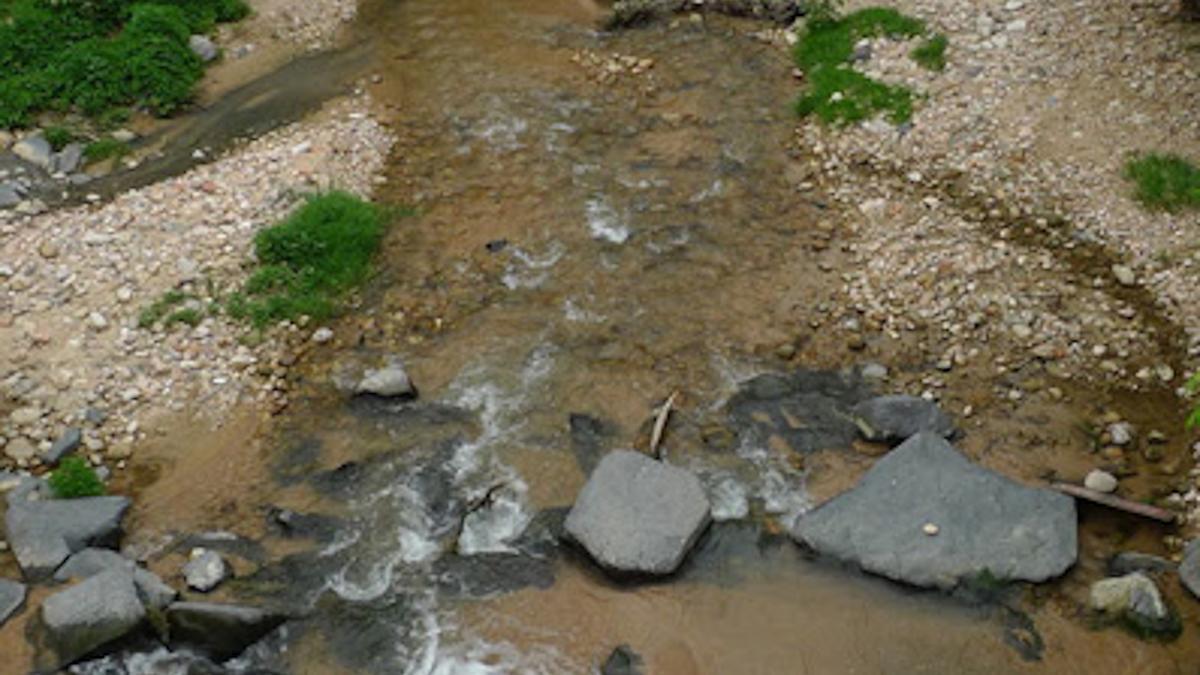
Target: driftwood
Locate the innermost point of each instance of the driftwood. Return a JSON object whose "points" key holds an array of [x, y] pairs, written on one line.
{"points": [[1113, 501], [660, 425]]}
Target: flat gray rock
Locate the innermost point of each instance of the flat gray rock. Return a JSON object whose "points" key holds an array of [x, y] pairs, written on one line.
{"points": [[1189, 567], [69, 158], [639, 516], [220, 632], [12, 596], [927, 516], [68, 442], [9, 196], [205, 570], [896, 417], [43, 533], [93, 613], [153, 591], [36, 150]]}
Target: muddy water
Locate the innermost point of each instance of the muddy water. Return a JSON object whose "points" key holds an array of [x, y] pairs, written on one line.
{"points": [[587, 244]]}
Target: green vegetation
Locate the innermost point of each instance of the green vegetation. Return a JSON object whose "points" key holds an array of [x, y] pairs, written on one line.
{"points": [[97, 55], [58, 137], [74, 478], [105, 148], [1166, 182], [931, 53], [162, 308], [310, 259], [838, 93]]}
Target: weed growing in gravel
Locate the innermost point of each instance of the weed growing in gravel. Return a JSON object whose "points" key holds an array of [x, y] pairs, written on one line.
{"points": [[75, 478], [1166, 182], [105, 148], [94, 56], [58, 137], [161, 308], [931, 53], [310, 259], [838, 93]]}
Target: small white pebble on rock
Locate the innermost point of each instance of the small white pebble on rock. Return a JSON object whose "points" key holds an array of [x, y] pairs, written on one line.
{"points": [[930, 529]]}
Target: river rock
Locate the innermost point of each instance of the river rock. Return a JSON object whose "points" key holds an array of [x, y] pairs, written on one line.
{"points": [[205, 570], [638, 516], [622, 661], [203, 47], [1100, 481], [390, 381], [9, 196], [43, 533], [220, 632], [1136, 598], [1189, 568], [12, 596], [152, 591], [1131, 561], [36, 150], [68, 159], [20, 449], [984, 521], [897, 417], [67, 443], [88, 615]]}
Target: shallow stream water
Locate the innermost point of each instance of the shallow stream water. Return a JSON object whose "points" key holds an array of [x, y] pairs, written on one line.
{"points": [[585, 246]]}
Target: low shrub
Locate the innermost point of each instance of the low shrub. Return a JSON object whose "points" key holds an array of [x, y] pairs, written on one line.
{"points": [[75, 478]]}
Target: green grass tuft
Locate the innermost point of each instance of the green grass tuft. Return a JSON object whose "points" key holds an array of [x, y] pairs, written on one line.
{"points": [[75, 478], [58, 137], [1166, 182], [105, 148], [310, 259], [162, 308], [837, 93], [931, 53]]}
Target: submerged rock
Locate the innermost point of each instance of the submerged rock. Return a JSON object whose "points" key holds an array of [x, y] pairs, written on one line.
{"points": [[93, 613], [1189, 568], [897, 417], [638, 516], [622, 661], [1136, 599], [985, 524], [12, 596], [220, 632], [43, 533]]}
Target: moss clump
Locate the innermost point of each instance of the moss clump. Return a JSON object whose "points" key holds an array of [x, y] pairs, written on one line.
{"points": [[309, 260], [105, 148], [74, 478], [1165, 182], [931, 53], [838, 93]]}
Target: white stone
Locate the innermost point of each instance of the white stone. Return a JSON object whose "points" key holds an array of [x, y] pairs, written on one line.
{"points": [[1100, 481]]}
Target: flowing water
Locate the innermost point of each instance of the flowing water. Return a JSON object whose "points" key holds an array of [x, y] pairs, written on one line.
{"points": [[588, 242]]}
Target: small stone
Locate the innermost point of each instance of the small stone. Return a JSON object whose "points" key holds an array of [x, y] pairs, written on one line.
{"points": [[1100, 481], [931, 529], [205, 570], [1121, 433], [20, 450], [203, 47], [25, 416], [68, 442], [875, 371], [1124, 275], [97, 321], [322, 335], [1113, 453], [48, 249]]}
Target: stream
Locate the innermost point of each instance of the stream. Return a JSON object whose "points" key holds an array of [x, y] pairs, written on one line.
{"points": [[588, 241]]}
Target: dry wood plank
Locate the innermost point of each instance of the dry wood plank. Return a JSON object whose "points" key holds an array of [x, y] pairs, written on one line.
{"points": [[660, 425], [1113, 501]]}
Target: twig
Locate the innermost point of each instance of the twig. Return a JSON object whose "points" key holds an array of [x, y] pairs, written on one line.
{"points": [[1119, 503], [660, 425]]}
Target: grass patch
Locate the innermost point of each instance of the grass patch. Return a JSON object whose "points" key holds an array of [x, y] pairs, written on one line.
{"points": [[161, 308], [96, 55], [837, 93], [58, 137], [931, 53], [75, 478], [105, 148], [1166, 182], [310, 260]]}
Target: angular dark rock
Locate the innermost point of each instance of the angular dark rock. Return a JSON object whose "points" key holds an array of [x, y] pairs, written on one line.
{"points": [[1131, 561], [12, 596], [927, 516], [622, 661], [43, 533], [639, 516], [90, 614], [68, 442], [1189, 568], [897, 417], [153, 591], [220, 632]]}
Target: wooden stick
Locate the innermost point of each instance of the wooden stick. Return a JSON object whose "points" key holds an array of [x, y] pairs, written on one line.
{"points": [[660, 425], [1113, 501]]}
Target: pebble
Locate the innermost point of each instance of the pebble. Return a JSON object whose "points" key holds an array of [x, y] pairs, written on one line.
{"points": [[930, 529], [1100, 481], [322, 335]]}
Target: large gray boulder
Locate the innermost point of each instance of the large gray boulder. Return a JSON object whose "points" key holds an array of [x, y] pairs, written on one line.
{"points": [[91, 614], [896, 417], [220, 632], [12, 596], [639, 516], [43, 533], [153, 591], [36, 150], [1189, 567], [927, 516]]}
